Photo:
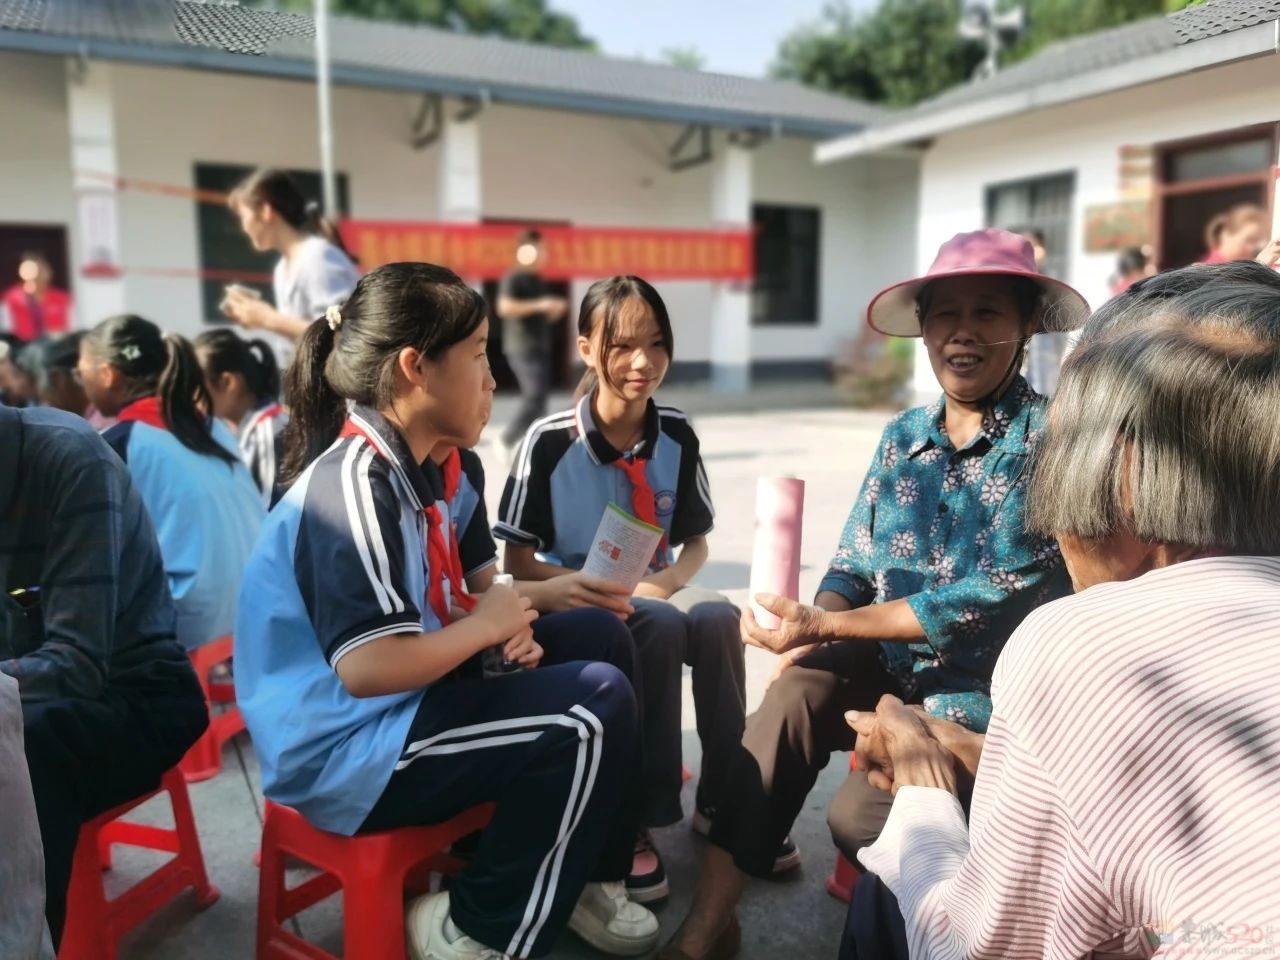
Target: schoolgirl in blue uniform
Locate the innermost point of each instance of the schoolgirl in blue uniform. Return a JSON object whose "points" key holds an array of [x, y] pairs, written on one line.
{"points": [[353, 647], [618, 446], [244, 385], [202, 501]]}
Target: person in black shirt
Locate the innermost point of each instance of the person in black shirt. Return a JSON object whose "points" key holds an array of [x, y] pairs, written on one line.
{"points": [[527, 309], [87, 625]]}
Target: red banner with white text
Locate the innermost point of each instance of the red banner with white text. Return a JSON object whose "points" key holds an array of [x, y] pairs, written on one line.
{"points": [[487, 252]]}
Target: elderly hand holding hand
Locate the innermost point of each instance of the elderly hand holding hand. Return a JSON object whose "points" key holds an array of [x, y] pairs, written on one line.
{"points": [[900, 745]]}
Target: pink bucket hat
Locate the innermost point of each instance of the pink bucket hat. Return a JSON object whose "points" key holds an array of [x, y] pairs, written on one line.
{"points": [[983, 253]]}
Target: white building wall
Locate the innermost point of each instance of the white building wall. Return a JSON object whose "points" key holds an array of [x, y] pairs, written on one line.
{"points": [[585, 170], [604, 172], [35, 151], [170, 120], [868, 234], [1085, 138]]}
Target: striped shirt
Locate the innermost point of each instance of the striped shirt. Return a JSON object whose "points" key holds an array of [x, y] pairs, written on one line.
{"points": [[261, 448], [1128, 798]]}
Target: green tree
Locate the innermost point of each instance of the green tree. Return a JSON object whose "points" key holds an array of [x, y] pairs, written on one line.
{"points": [[686, 58], [1052, 20], [530, 20], [905, 51], [901, 52]]}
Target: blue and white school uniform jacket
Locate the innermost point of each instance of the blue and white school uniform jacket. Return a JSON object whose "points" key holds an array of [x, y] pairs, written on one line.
{"points": [[262, 449], [563, 479], [207, 514], [341, 562]]}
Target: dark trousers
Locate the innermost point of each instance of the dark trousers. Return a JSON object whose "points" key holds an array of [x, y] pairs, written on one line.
{"points": [[787, 743], [874, 928], [699, 628], [87, 756], [555, 749], [857, 814], [532, 368]]}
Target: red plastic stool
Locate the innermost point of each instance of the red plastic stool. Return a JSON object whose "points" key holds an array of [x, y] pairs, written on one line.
{"points": [[204, 759], [94, 923], [372, 871], [845, 875], [843, 879]]}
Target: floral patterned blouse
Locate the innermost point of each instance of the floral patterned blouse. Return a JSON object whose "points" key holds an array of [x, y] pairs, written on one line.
{"points": [[943, 528]]}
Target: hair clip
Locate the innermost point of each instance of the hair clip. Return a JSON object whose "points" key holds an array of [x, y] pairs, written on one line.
{"points": [[334, 316], [130, 351]]}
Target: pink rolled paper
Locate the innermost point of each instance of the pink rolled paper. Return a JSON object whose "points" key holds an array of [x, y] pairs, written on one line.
{"points": [[775, 561]]}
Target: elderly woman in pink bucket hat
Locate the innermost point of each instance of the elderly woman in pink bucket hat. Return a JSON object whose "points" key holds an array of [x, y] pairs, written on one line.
{"points": [[934, 571]]}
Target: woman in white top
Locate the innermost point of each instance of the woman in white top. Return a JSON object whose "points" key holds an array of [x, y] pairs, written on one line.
{"points": [[1127, 793], [314, 272]]}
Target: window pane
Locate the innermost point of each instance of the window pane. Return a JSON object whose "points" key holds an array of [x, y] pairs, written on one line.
{"points": [[1220, 160], [788, 246], [1043, 204]]}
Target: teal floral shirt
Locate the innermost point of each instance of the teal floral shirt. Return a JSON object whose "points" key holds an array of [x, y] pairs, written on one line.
{"points": [[943, 528]]}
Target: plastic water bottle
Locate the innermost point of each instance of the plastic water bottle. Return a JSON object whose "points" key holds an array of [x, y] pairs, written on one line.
{"points": [[494, 662]]}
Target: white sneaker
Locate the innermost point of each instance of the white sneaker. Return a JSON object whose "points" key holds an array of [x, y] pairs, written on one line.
{"points": [[425, 937], [607, 920]]}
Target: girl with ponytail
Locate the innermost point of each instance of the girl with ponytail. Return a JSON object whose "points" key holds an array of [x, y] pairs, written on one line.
{"points": [[314, 271], [244, 388], [355, 615], [202, 501]]}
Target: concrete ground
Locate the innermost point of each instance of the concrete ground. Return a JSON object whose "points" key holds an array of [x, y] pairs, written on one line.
{"points": [[796, 430]]}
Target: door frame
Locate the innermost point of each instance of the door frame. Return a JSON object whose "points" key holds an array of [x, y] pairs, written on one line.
{"points": [[1162, 189]]}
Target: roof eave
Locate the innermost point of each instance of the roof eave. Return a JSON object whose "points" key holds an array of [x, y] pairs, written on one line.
{"points": [[1255, 41], [352, 75]]}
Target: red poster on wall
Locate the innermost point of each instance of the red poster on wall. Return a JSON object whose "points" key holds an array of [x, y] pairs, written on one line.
{"points": [[486, 252]]}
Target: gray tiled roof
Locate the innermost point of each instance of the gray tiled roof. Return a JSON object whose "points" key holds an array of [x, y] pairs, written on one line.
{"points": [[413, 57], [1087, 54], [1222, 16], [1061, 61]]}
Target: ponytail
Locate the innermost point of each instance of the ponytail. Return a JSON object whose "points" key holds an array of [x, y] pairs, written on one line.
{"points": [[397, 306], [263, 373], [185, 401], [224, 351], [316, 411], [163, 366], [326, 229], [279, 191]]}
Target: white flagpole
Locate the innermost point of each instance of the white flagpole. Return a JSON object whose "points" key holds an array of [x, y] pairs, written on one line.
{"points": [[329, 177]]}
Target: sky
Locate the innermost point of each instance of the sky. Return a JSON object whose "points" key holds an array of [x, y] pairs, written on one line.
{"points": [[734, 36]]}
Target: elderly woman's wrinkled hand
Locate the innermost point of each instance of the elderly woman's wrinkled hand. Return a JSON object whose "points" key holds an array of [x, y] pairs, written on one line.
{"points": [[897, 748], [802, 625]]}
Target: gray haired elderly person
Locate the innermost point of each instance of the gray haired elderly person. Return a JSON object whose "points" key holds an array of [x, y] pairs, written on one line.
{"points": [[50, 362], [1159, 474]]}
